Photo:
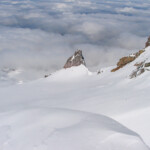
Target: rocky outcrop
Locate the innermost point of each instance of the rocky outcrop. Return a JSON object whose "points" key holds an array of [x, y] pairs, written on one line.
{"points": [[139, 70], [47, 75], [125, 60], [147, 43], [147, 64], [75, 60]]}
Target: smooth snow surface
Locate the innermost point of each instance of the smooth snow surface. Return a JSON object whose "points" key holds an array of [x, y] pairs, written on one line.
{"points": [[57, 129], [71, 74], [74, 109]]}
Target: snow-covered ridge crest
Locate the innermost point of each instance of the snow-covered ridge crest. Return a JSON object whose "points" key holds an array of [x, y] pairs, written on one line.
{"points": [[70, 74]]}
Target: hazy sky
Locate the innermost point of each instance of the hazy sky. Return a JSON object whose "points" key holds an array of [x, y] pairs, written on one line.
{"points": [[42, 34]]}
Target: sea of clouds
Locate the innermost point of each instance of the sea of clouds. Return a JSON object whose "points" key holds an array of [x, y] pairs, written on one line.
{"points": [[42, 34]]}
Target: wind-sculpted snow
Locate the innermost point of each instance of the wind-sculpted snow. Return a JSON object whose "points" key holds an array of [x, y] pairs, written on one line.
{"points": [[57, 129]]}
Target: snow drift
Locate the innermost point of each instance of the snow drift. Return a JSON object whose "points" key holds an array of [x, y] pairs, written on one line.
{"points": [[57, 129]]}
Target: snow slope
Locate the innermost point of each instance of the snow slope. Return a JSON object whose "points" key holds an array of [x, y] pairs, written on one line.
{"points": [[71, 109], [57, 129]]}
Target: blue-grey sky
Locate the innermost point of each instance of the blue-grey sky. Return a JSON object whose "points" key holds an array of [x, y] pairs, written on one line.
{"points": [[42, 34]]}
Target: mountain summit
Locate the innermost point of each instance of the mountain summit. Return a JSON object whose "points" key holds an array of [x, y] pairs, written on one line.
{"points": [[75, 60]]}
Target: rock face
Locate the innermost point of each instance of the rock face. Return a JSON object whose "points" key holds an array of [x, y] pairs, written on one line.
{"points": [[138, 71], [125, 60], [140, 68], [75, 60], [147, 43]]}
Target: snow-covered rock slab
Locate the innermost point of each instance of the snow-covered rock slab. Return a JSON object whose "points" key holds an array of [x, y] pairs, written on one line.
{"points": [[62, 129]]}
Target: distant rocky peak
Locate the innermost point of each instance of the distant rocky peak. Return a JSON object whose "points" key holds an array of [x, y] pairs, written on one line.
{"points": [[75, 60], [148, 42]]}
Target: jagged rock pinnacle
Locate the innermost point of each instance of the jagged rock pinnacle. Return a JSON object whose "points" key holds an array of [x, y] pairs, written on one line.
{"points": [[75, 60], [148, 42]]}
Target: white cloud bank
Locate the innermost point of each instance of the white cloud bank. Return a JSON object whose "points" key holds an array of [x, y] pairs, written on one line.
{"points": [[41, 35]]}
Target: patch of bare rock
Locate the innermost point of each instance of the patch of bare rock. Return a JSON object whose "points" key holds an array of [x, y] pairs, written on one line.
{"points": [[75, 60], [125, 60]]}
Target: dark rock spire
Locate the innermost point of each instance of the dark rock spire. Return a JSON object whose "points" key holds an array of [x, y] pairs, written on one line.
{"points": [[75, 60]]}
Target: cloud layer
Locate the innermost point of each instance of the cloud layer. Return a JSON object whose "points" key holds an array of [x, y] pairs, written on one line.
{"points": [[42, 34]]}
